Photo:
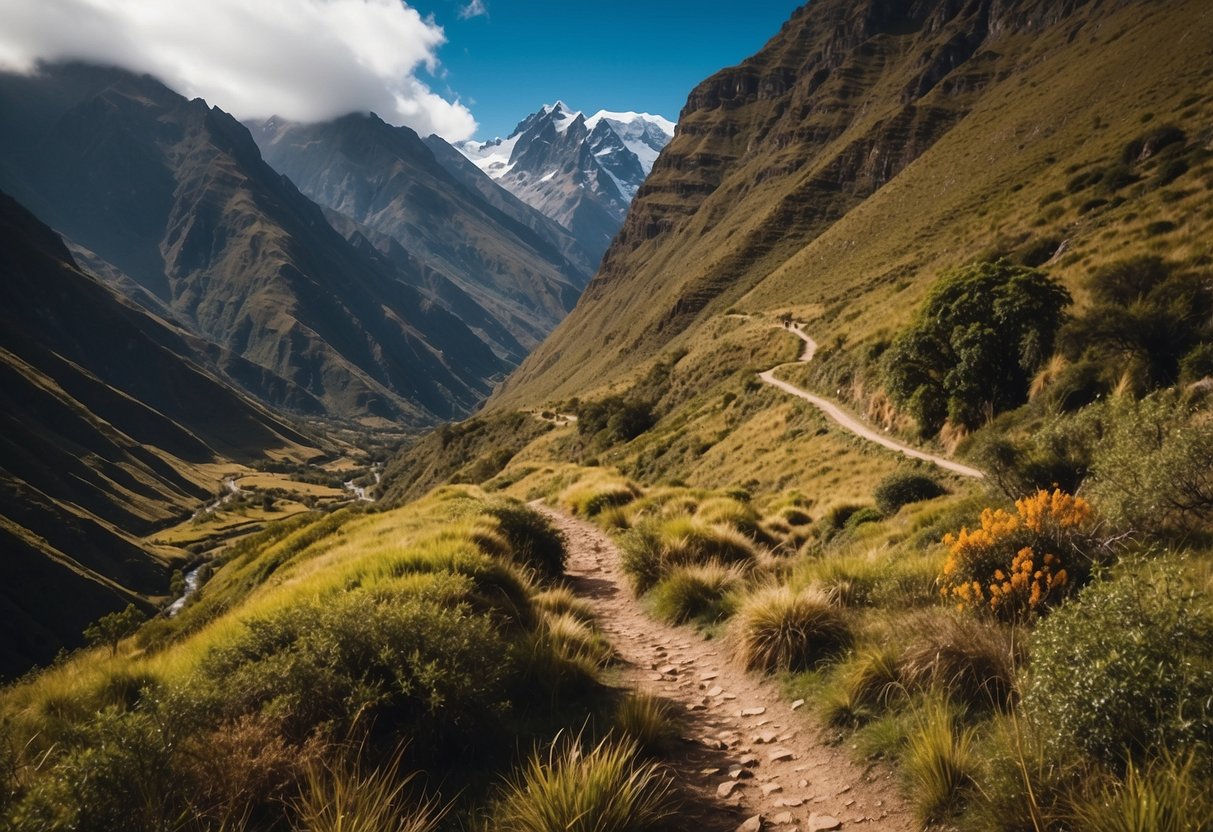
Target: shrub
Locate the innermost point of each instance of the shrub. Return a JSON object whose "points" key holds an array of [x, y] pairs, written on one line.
{"points": [[700, 593], [1127, 669], [533, 540], [605, 789], [1020, 565], [424, 669], [897, 490], [781, 629], [1197, 364], [653, 547], [867, 514]]}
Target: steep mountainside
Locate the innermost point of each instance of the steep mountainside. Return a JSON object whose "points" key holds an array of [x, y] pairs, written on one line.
{"points": [[581, 172], [106, 420], [387, 179], [869, 145], [174, 195]]}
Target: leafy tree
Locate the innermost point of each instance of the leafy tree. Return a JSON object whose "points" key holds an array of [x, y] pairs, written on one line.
{"points": [[113, 627], [982, 331]]}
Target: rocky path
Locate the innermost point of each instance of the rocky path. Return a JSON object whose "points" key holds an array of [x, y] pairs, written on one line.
{"points": [[849, 422], [755, 759]]}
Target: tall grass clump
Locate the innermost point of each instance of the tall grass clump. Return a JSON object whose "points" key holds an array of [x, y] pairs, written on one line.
{"points": [[654, 547], [897, 490], [866, 684], [649, 722], [596, 493], [346, 796], [970, 661], [560, 600], [1166, 796], [569, 789], [534, 542], [781, 629], [939, 762], [706, 594]]}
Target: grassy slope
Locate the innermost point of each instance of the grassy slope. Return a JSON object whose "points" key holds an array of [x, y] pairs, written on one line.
{"points": [[799, 212]]}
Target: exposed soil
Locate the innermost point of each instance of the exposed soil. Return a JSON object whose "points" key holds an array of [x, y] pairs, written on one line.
{"points": [[750, 751], [848, 422]]}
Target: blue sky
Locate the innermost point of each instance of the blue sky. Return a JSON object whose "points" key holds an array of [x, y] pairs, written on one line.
{"points": [[643, 55]]}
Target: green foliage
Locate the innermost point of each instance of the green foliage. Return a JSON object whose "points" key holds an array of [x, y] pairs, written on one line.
{"points": [[979, 335], [408, 664], [897, 490], [1126, 670], [111, 628], [615, 419], [1166, 796], [605, 789], [781, 629], [533, 540], [1146, 317]]}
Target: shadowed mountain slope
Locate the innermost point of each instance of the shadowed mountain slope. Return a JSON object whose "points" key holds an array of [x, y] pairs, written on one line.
{"points": [[175, 196], [387, 179], [106, 420]]}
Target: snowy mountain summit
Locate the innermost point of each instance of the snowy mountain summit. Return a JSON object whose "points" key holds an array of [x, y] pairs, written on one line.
{"points": [[581, 172]]}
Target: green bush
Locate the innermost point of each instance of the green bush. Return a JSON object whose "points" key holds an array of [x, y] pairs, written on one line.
{"points": [[403, 663], [534, 541], [1126, 671], [897, 490]]}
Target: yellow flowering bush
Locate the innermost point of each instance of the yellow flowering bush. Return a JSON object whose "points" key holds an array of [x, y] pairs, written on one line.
{"points": [[1016, 565]]}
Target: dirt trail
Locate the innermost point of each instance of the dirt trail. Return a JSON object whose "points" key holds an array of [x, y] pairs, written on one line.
{"points": [[750, 751], [849, 422]]}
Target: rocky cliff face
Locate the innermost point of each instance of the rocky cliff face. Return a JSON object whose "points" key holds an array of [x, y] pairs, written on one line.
{"points": [[174, 195], [855, 150]]}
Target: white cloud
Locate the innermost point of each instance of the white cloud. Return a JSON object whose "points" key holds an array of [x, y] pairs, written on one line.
{"points": [[305, 60], [476, 8]]}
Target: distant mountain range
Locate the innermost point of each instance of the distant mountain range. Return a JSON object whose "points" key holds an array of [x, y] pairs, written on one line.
{"points": [[581, 172]]}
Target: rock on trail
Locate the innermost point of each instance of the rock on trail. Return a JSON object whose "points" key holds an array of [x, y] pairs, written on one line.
{"points": [[752, 760]]}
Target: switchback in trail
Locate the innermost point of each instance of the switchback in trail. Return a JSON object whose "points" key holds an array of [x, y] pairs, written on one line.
{"points": [[750, 751], [847, 422]]}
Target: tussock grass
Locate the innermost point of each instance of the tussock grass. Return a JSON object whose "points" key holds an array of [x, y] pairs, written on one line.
{"points": [[728, 511], [604, 789], [969, 660], [706, 594], [560, 600], [597, 492], [939, 762], [866, 684], [345, 796], [653, 548], [648, 721], [780, 629], [574, 639], [1167, 796]]}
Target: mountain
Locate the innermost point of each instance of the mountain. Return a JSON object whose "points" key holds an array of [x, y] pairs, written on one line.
{"points": [[581, 172], [107, 422], [523, 270], [174, 196], [869, 146]]}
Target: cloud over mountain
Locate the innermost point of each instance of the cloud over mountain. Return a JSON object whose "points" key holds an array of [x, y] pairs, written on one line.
{"points": [[306, 60]]}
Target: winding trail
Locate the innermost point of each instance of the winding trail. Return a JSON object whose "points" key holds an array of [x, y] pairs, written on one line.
{"points": [[848, 422], [750, 752]]}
